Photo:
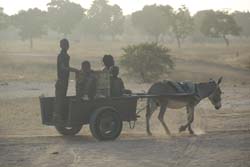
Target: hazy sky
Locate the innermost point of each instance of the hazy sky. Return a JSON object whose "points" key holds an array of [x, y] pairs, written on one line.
{"points": [[128, 6]]}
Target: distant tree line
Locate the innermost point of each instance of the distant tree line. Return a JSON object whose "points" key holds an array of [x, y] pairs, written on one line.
{"points": [[104, 21]]}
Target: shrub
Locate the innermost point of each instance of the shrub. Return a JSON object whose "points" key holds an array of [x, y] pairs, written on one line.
{"points": [[147, 61]]}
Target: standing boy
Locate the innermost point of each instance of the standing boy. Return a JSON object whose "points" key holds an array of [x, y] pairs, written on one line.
{"points": [[61, 86]]}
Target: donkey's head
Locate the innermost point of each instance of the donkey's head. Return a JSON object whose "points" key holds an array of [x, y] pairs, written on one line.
{"points": [[215, 96]]}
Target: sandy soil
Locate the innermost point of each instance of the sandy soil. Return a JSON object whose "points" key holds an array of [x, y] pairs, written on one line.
{"points": [[222, 137], [215, 149]]}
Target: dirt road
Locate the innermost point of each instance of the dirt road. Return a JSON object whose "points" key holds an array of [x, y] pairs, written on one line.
{"points": [[217, 149]]}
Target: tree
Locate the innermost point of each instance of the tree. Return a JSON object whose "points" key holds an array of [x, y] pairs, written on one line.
{"points": [[31, 23], [182, 24], [116, 21], [3, 19], [219, 25], [198, 19], [153, 20], [104, 19], [243, 20], [147, 60], [64, 15]]}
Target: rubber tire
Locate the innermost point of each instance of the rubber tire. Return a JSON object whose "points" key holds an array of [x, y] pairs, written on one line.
{"points": [[95, 118], [68, 131]]}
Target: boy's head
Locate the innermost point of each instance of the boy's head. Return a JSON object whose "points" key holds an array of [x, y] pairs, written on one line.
{"points": [[115, 71], [86, 66], [64, 44], [108, 60]]}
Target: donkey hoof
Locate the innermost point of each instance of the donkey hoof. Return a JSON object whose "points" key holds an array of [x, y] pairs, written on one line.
{"points": [[182, 128], [191, 132], [149, 133]]}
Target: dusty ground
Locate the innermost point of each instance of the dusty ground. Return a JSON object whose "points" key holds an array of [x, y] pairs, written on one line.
{"points": [[222, 137]]}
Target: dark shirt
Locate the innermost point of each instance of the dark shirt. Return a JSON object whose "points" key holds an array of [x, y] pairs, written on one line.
{"points": [[63, 66], [86, 84], [117, 86]]}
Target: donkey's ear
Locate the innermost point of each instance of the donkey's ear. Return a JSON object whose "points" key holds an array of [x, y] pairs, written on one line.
{"points": [[219, 81]]}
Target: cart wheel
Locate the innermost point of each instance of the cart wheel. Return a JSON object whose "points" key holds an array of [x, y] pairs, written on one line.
{"points": [[68, 131], [105, 124]]}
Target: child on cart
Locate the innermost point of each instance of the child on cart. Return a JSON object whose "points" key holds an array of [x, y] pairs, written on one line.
{"points": [[116, 83], [85, 82]]}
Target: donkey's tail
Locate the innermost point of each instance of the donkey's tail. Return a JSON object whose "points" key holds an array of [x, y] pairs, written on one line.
{"points": [[151, 105], [150, 108]]}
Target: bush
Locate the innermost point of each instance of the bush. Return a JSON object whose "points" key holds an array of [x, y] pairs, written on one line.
{"points": [[147, 61]]}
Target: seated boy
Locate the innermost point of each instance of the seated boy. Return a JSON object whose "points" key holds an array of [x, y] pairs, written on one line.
{"points": [[116, 84], [85, 82]]}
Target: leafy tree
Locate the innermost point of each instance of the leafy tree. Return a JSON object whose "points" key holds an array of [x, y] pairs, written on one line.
{"points": [[3, 19], [116, 21], [219, 25], [98, 18], [64, 15], [31, 23], [182, 24], [147, 60], [104, 19], [153, 20], [198, 19], [243, 20]]}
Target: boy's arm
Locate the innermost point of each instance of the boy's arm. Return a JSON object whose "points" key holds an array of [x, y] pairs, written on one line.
{"points": [[71, 69], [122, 84], [64, 66]]}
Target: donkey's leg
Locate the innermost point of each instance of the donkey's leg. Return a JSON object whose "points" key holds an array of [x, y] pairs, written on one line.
{"points": [[190, 119], [184, 127], [148, 116], [161, 117]]}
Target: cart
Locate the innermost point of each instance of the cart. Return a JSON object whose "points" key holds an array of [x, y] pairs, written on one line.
{"points": [[105, 116]]}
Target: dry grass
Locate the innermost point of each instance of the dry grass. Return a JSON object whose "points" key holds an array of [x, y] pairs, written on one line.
{"points": [[79, 48], [234, 55], [19, 114], [27, 68], [18, 62]]}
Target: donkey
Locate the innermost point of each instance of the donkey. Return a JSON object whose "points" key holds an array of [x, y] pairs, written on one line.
{"points": [[210, 90]]}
